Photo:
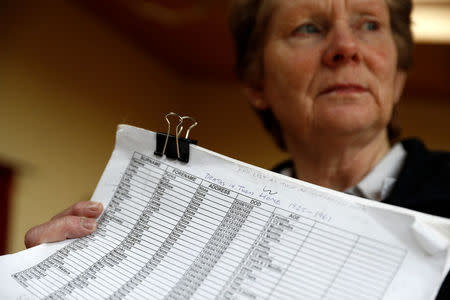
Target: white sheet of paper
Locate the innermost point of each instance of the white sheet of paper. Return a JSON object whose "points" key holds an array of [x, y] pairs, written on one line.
{"points": [[219, 228]]}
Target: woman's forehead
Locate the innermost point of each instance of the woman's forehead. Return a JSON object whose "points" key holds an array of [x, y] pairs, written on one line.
{"points": [[327, 6]]}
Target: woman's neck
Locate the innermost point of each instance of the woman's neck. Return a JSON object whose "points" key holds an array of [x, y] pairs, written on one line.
{"points": [[337, 164]]}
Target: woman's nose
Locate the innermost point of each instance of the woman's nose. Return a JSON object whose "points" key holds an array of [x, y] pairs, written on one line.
{"points": [[342, 47]]}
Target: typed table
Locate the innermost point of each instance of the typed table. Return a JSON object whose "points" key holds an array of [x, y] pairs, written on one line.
{"points": [[168, 234]]}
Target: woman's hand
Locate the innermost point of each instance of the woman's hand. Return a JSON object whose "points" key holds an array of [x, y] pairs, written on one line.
{"points": [[75, 221]]}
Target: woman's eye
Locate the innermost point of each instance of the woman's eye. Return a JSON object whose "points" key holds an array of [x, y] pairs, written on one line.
{"points": [[307, 29], [370, 26]]}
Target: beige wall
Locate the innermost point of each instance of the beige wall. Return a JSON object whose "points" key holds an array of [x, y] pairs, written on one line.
{"points": [[67, 80], [428, 119], [65, 83]]}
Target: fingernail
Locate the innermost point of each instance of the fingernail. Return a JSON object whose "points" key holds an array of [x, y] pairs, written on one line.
{"points": [[89, 224], [94, 206]]}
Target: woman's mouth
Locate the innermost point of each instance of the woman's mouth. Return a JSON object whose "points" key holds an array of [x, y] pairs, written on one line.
{"points": [[344, 89]]}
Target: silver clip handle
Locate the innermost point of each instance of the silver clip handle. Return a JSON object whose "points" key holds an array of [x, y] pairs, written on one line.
{"points": [[180, 128], [168, 131]]}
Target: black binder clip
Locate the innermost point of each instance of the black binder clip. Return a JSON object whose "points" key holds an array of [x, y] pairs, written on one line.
{"points": [[174, 146]]}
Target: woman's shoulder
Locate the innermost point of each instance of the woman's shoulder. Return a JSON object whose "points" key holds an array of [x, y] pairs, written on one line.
{"points": [[419, 156], [424, 181]]}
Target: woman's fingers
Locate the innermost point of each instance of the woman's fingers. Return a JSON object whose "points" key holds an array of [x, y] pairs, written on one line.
{"points": [[75, 221], [59, 229], [87, 209]]}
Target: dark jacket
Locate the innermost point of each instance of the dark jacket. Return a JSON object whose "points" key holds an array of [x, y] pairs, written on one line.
{"points": [[424, 181], [422, 185]]}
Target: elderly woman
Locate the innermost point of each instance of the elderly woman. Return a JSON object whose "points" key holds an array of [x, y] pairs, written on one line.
{"points": [[325, 77]]}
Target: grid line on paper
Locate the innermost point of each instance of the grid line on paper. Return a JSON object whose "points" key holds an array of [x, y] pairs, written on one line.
{"points": [[340, 268], [291, 260]]}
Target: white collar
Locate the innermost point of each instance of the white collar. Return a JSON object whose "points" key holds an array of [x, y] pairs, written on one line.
{"points": [[381, 179]]}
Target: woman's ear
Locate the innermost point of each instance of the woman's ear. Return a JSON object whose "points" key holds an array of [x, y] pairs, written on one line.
{"points": [[256, 97], [399, 84]]}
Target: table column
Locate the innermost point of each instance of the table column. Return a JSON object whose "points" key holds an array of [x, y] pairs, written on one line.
{"points": [[81, 260], [367, 271], [170, 207], [218, 203], [121, 227], [318, 259], [268, 259], [227, 272]]}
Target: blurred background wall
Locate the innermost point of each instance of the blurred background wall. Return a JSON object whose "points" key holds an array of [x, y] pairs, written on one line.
{"points": [[71, 71]]}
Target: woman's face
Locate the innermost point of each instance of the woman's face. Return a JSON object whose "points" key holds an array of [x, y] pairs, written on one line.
{"points": [[330, 68]]}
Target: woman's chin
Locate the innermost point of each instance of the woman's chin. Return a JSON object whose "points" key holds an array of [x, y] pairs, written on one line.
{"points": [[348, 121]]}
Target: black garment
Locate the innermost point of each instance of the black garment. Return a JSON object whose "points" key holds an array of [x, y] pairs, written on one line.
{"points": [[422, 185], [424, 181]]}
